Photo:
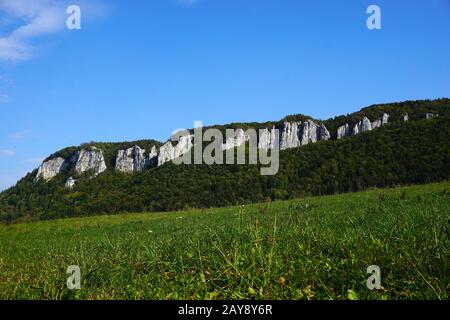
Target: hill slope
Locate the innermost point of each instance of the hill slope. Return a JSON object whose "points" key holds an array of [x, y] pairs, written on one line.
{"points": [[417, 151]]}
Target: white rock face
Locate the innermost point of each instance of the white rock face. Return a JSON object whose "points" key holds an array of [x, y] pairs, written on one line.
{"points": [[70, 183], [131, 160], [406, 117], [153, 153], [183, 146], [380, 122], [309, 133], [376, 124], [50, 169], [430, 115], [365, 124], [267, 139], [152, 157], [238, 140], [290, 135], [362, 126], [343, 131], [90, 160], [296, 134], [324, 134], [168, 152]]}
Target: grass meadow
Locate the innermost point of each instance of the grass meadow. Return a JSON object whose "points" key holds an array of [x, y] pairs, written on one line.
{"points": [[312, 248]]}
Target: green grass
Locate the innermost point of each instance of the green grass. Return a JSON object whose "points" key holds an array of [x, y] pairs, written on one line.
{"points": [[313, 248]]}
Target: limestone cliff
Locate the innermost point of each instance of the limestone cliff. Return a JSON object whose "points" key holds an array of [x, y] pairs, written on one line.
{"points": [[168, 152], [293, 134], [50, 169], [343, 131], [267, 138], [134, 159], [296, 134], [238, 140], [90, 159], [363, 125]]}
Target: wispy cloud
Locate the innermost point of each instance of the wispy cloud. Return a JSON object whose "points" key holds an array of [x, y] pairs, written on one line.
{"points": [[40, 17], [7, 153], [36, 18]]}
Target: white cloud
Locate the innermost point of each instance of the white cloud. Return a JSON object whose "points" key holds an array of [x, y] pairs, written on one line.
{"points": [[39, 17], [7, 153]]}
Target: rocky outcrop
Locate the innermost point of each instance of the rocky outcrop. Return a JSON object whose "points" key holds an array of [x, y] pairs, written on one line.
{"points": [[70, 183], [296, 134], [362, 126], [380, 122], [324, 134], [183, 146], [90, 159], [430, 115], [134, 160], [376, 124], [168, 152], [267, 139], [309, 133], [313, 132], [238, 140], [406, 117], [50, 169], [365, 125], [290, 135], [153, 154], [343, 131]]}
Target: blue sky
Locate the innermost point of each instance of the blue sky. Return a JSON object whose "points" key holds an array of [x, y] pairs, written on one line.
{"points": [[140, 69]]}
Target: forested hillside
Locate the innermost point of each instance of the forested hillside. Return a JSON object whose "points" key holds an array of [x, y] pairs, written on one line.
{"points": [[412, 152]]}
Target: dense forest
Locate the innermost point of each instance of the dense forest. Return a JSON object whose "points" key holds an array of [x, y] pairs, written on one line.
{"points": [[412, 152]]}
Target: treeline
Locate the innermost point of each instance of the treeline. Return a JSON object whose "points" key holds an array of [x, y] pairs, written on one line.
{"points": [[413, 152]]}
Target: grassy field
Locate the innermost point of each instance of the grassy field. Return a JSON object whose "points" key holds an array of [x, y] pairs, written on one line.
{"points": [[314, 248]]}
